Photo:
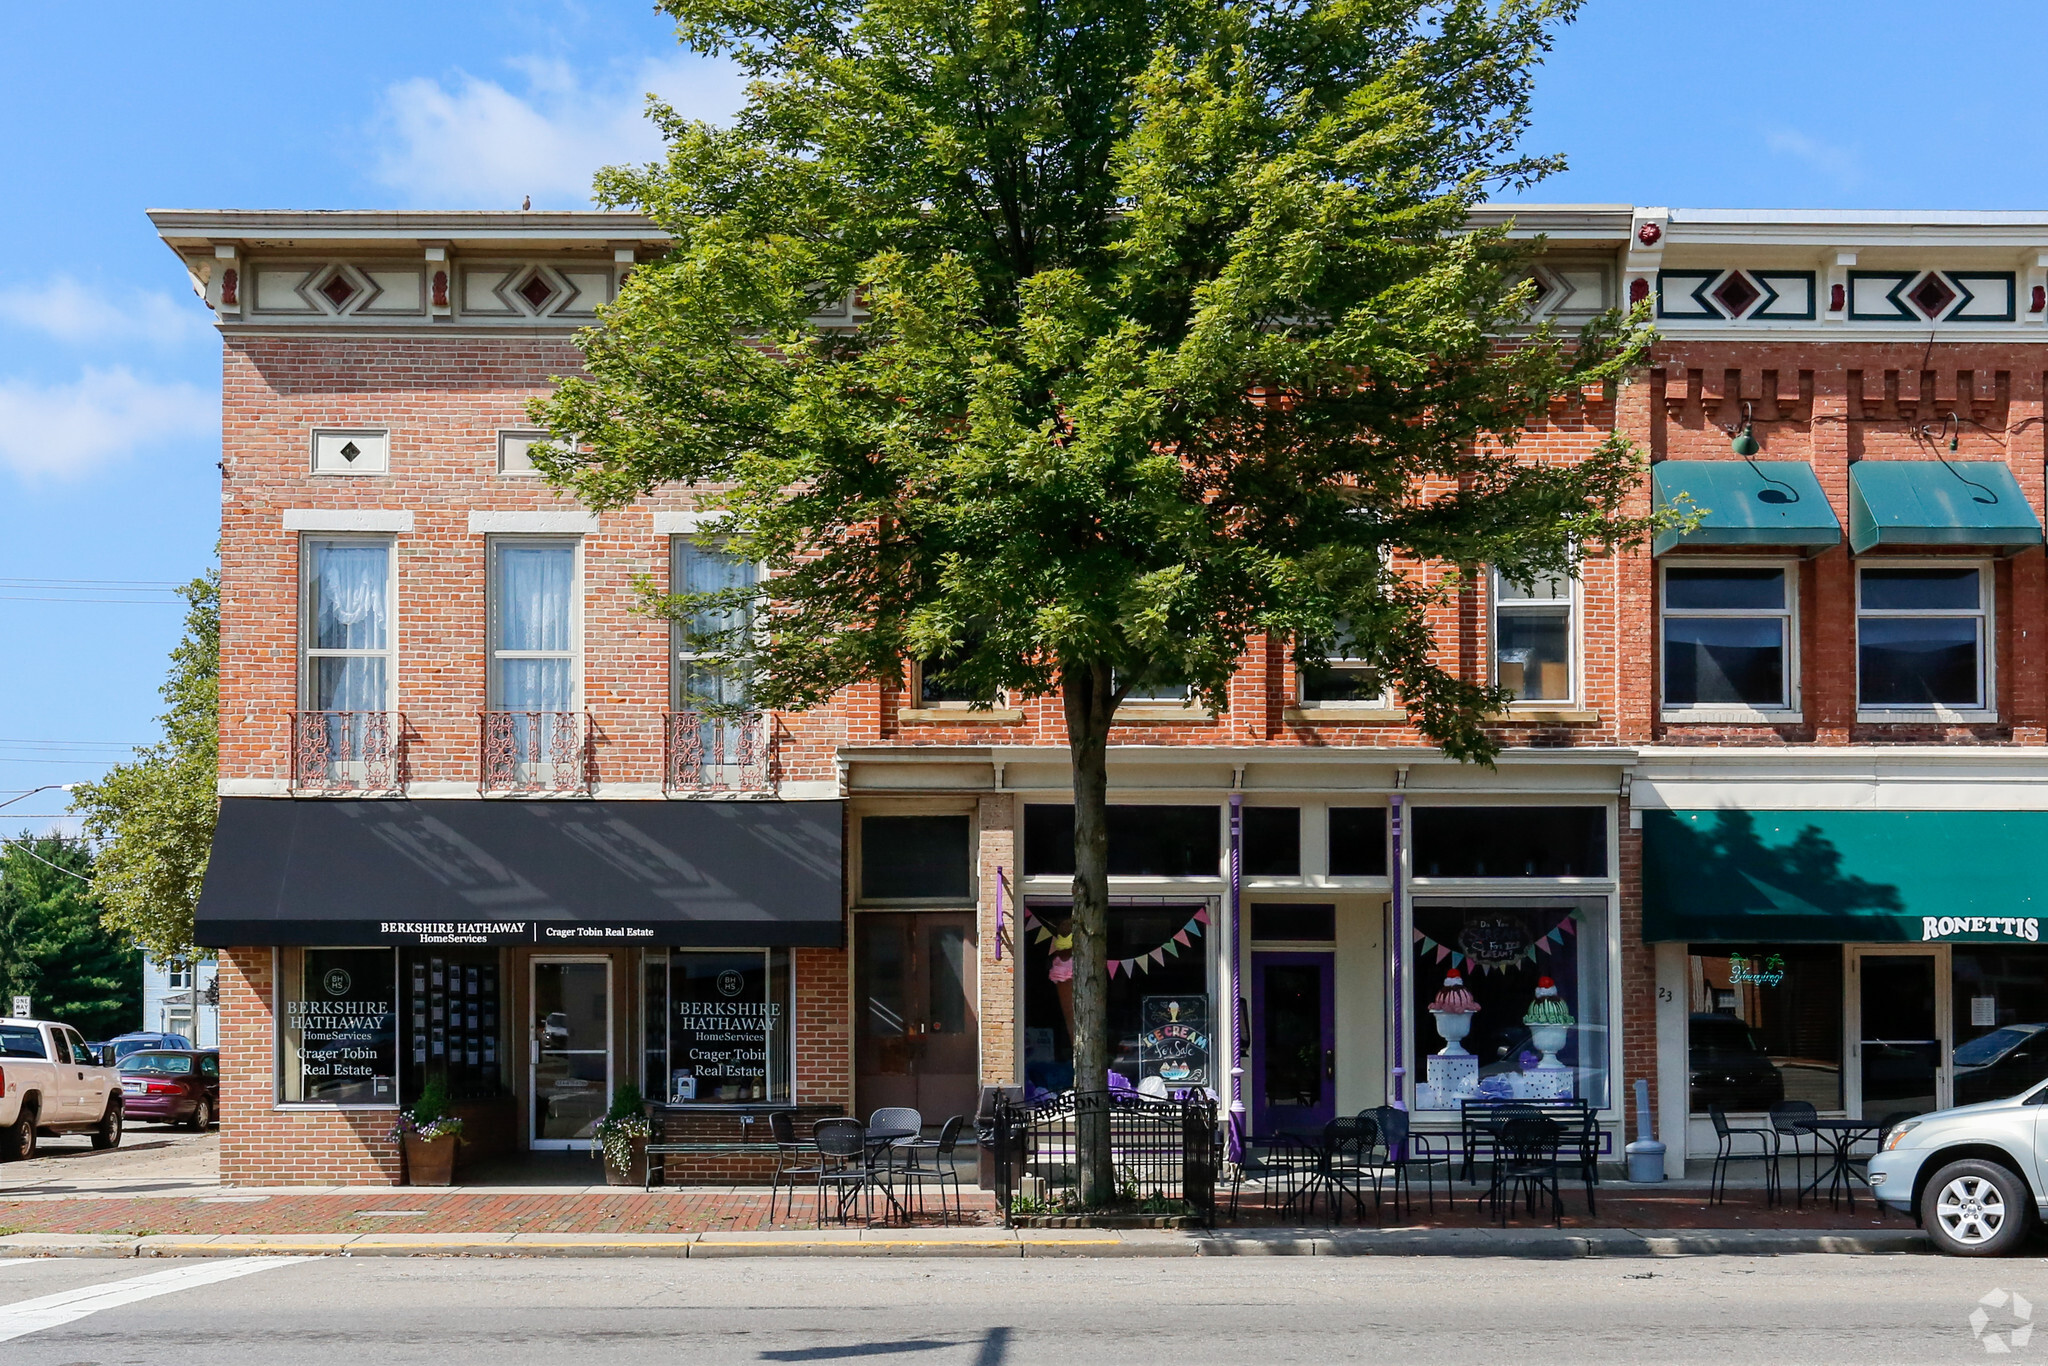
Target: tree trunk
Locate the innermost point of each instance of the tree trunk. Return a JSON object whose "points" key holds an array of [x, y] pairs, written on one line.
{"points": [[1089, 694]]}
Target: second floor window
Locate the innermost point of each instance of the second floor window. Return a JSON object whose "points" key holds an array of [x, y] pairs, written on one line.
{"points": [[348, 625], [1532, 635], [1920, 637], [1346, 679], [699, 680], [1727, 637], [533, 625]]}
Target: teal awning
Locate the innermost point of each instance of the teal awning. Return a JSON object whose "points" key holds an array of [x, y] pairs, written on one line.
{"points": [[1938, 502], [1835, 877], [1746, 502]]}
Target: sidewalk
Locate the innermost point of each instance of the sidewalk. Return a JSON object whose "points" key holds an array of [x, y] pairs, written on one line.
{"points": [[171, 1218]]}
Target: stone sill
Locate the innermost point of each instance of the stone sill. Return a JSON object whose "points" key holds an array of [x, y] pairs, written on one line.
{"points": [[1542, 715], [1338, 715], [1131, 714], [1731, 717], [967, 716], [1926, 718]]}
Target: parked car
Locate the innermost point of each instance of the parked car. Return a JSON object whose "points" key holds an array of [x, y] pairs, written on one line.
{"points": [[2002, 1063], [1728, 1068], [121, 1045], [50, 1085], [172, 1086], [1973, 1176]]}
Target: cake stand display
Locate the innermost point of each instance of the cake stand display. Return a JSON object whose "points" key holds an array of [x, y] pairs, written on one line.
{"points": [[1453, 1073], [1550, 1029]]}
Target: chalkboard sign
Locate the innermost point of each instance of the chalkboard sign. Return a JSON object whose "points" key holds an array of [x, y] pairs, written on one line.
{"points": [[1173, 1040]]}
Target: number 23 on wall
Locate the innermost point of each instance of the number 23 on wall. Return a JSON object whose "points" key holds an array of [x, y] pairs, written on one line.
{"points": [[1665, 994]]}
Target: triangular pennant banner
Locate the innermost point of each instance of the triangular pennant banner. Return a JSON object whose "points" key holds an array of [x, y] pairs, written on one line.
{"points": [[1544, 943], [1158, 955], [1113, 965], [1182, 938], [1203, 915], [1442, 953]]}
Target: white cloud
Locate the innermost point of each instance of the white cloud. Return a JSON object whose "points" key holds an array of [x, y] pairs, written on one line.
{"points": [[69, 311], [1839, 164], [471, 142], [63, 430]]}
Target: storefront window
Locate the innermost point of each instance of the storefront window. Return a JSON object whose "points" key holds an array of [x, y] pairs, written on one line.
{"points": [[1509, 841], [1144, 841], [1159, 1013], [2001, 1021], [454, 1021], [728, 1013], [1530, 1019], [338, 1027], [1272, 841], [1765, 1025]]}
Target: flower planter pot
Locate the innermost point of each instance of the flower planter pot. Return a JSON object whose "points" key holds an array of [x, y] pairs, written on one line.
{"points": [[431, 1161], [634, 1173]]}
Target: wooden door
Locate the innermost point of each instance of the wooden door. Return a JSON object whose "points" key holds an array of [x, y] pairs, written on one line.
{"points": [[916, 1034]]}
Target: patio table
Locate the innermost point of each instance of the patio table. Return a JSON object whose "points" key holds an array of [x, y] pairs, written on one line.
{"points": [[1838, 1136]]}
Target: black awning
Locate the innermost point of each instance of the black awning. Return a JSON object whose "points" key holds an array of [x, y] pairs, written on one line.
{"points": [[581, 874]]}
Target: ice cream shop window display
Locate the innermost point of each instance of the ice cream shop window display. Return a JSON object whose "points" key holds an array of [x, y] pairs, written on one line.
{"points": [[1159, 1015], [1511, 1003]]}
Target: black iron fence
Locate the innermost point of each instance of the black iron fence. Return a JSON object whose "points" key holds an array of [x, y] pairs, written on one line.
{"points": [[1163, 1155]]}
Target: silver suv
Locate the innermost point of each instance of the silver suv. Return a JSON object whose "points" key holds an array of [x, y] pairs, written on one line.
{"points": [[1973, 1176]]}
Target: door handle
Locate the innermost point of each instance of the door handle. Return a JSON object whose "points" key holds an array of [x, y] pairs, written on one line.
{"points": [[1329, 1064]]}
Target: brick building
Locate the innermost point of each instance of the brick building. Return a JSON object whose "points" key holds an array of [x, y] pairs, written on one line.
{"points": [[476, 826]]}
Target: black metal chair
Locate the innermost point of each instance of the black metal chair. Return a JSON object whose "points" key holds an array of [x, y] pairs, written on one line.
{"points": [[1345, 1165], [792, 1156], [931, 1160], [1279, 1165], [1525, 1163], [1400, 1149], [843, 1166], [1727, 1138], [1789, 1120]]}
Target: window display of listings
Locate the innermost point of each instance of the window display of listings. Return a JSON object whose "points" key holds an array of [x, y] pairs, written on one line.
{"points": [[1510, 1003]]}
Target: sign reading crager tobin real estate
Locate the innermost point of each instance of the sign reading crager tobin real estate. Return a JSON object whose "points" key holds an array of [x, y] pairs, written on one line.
{"points": [[344, 1023]]}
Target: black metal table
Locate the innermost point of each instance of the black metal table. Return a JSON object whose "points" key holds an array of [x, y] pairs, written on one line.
{"points": [[1839, 1135], [880, 1142]]}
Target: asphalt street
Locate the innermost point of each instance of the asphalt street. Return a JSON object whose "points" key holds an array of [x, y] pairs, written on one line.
{"points": [[317, 1311]]}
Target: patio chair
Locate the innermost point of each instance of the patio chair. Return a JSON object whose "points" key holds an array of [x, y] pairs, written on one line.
{"points": [[1400, 1149], [1727, 1138], [931, 1160], [896, 1117], [1525, 1164], [1276, 1165], [792, 1159], [1346, 1165], [843, 1166], [1789, 1121]]}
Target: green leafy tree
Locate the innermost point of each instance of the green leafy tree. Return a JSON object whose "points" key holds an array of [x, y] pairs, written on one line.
{"points": [[53, 946], [152, 820], [1069, 345]]}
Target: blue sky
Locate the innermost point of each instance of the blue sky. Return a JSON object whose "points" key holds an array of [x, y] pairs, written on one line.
{"points": [[109, 370]]}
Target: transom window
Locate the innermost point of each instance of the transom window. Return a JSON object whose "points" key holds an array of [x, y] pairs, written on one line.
{"points": [[1920, 637], [1155, 689], [1532, 634], [1728, 636], [533, 624], [699, 681], [348, 625]]}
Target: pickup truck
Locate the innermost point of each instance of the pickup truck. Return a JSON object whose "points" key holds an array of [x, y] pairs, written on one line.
{"points": [[49, 1084]]}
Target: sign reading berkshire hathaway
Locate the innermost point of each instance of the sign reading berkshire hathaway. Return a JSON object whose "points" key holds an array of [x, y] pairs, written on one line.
{"points": [[722, 1027], [347, 1023]]}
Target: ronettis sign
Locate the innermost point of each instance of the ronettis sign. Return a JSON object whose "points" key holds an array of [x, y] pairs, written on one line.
{"points": [[2024, 928]]}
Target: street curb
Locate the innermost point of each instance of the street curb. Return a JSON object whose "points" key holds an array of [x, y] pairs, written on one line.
{"points": [[1535, 1244]]}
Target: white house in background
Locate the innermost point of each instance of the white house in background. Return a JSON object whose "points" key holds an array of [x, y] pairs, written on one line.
{"points": [[177, 999]]}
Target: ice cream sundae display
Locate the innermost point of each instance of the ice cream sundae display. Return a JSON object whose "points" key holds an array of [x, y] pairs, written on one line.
{"points": [[1550, 1029], [1453, 1073]]}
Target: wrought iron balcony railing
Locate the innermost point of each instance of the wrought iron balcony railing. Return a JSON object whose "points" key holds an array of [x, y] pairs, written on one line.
{"points": [[347, 751], [535, 751], [705, 752]]}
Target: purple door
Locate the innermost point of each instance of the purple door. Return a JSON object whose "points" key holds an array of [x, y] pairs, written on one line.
{"points": [[1294, 1041]]}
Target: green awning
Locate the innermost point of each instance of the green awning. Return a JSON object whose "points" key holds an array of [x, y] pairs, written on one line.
{"points": [[1746, 502], [1834, 877], [1938, 502]]}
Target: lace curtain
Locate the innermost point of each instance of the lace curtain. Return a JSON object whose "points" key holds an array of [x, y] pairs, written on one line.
{"points": [[351, 594], [535, 615]]}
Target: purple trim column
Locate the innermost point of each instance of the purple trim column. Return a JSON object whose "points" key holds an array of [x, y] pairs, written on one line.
{"points": [[1397, 974], [1234, 1014]]}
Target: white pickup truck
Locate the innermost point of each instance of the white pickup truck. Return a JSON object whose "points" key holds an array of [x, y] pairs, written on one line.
{"points": [[49, 1084]]}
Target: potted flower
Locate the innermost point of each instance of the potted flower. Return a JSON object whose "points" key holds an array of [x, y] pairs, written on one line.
{"points": [[622, 1137], [429, 1135]]}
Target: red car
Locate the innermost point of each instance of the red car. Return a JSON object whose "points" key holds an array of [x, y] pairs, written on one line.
{"points": [[172, 1086]]}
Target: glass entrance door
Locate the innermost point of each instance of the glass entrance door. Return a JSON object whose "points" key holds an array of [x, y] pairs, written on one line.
{"points": [[1901, 1033], [916, 1039], [572, 1049], [1294, 1045]]}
